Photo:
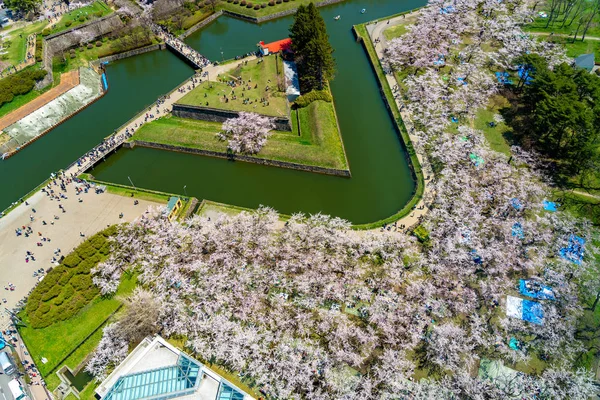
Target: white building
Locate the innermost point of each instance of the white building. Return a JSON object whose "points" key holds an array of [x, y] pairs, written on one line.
{"points": [[157, 370]]}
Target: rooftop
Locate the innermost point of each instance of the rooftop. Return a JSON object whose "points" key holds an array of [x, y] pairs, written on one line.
{"points": [[275, 47], [157, 370]]}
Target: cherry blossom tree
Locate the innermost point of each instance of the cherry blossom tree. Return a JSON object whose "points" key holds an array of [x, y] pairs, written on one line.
{"points": [[247, 133]]}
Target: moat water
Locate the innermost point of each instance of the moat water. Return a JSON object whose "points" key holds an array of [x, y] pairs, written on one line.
{"points": [[381, 182]]}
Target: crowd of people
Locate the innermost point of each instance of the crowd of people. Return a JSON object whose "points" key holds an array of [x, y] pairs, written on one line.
{"points": [[186, 50]]}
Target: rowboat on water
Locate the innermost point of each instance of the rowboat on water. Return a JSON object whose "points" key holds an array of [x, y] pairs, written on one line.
{"points": [[364, 10], [337, 17]]}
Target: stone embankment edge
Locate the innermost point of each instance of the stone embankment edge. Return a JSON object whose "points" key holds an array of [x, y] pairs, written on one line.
{"points": [[415, 165], [130, 53], [236, 157], [201, 24], [277, 15], [219, 115], [102, 93]]}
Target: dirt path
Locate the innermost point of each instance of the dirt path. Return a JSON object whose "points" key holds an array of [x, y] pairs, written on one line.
{"points": [[562, 35], [68, 81]]}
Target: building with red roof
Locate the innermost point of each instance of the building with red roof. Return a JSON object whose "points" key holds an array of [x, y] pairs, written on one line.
{"points": [[275, 47]]}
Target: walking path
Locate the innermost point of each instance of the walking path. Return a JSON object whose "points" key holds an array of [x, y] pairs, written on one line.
{"points": [[378, 38], [550, 34], [179, 46], [68, 81]]}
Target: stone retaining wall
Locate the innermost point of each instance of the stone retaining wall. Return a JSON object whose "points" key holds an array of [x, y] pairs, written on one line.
{"points": [[238, 157], [182, 56], [201, 24], [66, 31], [129, 53], [217, 115], [275, 15]]}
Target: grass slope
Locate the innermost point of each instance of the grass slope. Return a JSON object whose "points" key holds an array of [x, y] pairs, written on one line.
{"points": [[16, 42], [277, 8], [318, 145], [80, 16], [257, 77]]}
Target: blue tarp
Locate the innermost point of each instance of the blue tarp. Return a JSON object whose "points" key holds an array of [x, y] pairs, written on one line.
{"points": [[476, 257], [447, 10], [517, 231], [535, 290], [454, 119], [104, 83], [533, 312], [574, 250], [550, 206], [461, 80], [516, 203], [524, 74], [503, 77], [514, 344]]}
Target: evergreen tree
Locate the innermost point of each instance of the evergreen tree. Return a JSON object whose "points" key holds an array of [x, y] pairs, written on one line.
{"points": [[313, 52]]}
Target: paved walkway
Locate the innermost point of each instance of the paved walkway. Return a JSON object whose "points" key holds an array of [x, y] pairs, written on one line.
{"points": [[68, 81], [376, 33], [93, 214]]}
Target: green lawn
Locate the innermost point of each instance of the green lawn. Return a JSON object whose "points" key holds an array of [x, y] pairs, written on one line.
{"points": [[21, 100], [80, 16], [496, 136], [258, 76], [395, 31], [318, 145], [59, 339], [237, 8], [16, 42], [539, 25]]}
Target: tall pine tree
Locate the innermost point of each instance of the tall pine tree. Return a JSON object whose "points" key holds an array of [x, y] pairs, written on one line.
{"points": [[313, 52]]}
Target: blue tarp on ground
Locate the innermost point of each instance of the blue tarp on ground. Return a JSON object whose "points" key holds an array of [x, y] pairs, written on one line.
{"points": [[524, 74], [535, 290], [533, 312], [517, 231], [514, 344], [104, 83], [447, 10], [574, 250], [550, 206], [476, 160], [503, 78], [527, 310], [516, 203], [476, 257]]}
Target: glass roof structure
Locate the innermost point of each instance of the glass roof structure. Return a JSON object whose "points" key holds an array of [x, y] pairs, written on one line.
{"points": [[226, 392], [159, 384]]}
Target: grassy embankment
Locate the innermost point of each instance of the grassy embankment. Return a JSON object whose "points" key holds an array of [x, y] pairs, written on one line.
{"points": [[79, 16], [361, 32], [314, 141], [65, 312], [262, 12]]}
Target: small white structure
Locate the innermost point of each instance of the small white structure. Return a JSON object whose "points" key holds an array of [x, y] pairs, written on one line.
{"points": [[292, 84], [156, 369]]}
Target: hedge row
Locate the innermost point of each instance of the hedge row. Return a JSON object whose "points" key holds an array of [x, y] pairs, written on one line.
{"points": [[311, 96], [68, 288], [20, 83]]}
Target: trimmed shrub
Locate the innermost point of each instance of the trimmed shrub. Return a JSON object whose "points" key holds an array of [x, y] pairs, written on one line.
{"points": [[236, 1], [243, 3], [311, 96], [98, 43], [278, 1], [285, 1], [271, 3], [90, 46], [98, 14], [19, 83], [46, 32], [263, 5], [81, 18], [72, 260], [249, 5], [257, 7], [68, 23], [69, 287]]}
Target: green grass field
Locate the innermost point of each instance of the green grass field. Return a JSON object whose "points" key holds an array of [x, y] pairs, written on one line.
{"points": [[80, 16], [16, 42], [59, 339], [539, 25], [319, 143], [258, 76]]}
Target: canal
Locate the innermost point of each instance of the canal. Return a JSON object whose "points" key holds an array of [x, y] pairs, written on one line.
{"points": [[381, 182]]}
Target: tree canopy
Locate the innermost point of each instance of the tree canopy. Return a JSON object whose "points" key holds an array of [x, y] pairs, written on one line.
{"points": [[558, 112], [23, 5], [313, 52]]}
